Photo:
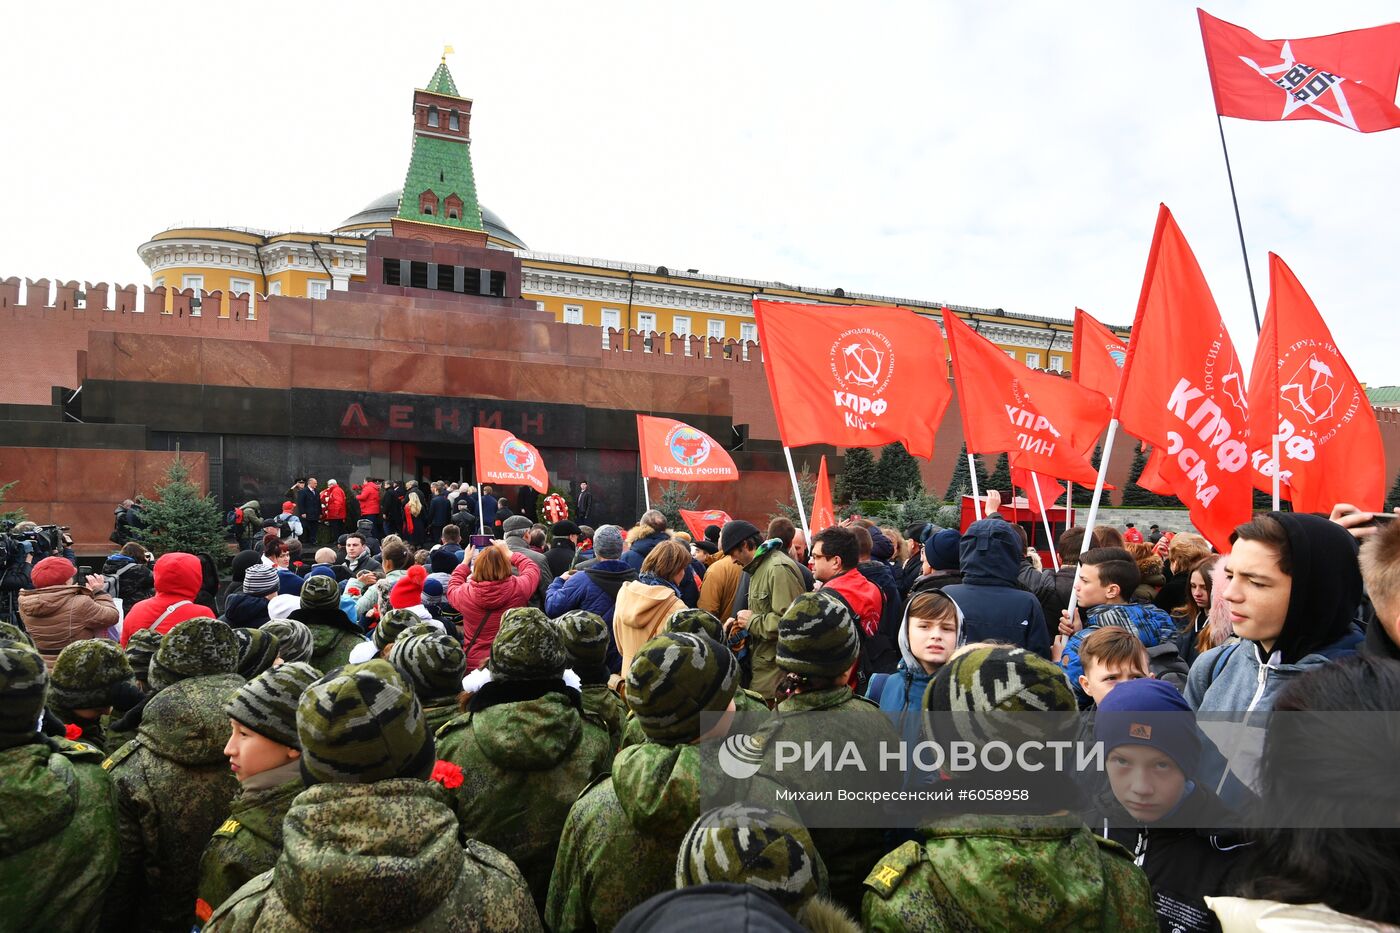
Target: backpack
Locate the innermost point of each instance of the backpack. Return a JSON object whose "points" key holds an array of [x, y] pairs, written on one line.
{"points": [[1166, 664], [111, 582], [234, 518], [284, 526]]}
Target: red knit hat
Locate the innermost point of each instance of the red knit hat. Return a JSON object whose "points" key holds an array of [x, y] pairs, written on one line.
{"points": [[409, 590], [52, 571]]}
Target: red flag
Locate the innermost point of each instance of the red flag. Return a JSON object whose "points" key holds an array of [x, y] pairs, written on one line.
{"points": [[674, 450], [1347, 78], [1097, 358], [1183, 394], [501, 457], [1151, 476], [853, 376], [823, 513], [1051, 489], [1042, 420], [697, 521], [1329, 440]]}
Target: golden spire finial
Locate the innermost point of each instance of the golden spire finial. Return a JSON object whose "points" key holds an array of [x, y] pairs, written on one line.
{"points": [[446, 51]]}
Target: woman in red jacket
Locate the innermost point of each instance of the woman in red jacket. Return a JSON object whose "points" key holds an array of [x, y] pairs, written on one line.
{"points": [[178, 577], [484, 597]]}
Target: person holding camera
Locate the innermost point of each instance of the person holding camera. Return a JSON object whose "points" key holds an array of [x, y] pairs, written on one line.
{"points": [[58, 611]]}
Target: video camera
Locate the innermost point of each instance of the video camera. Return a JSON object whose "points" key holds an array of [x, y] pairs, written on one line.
{"points": [[15, 546]]}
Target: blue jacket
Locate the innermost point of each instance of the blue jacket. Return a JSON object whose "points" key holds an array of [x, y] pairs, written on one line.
{"points": [[439, 511], [593, 590], [637, 553], [994, 606], [902, 697], [1151, 625]]}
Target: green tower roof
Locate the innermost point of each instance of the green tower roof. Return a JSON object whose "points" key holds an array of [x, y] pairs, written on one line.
{"points": [[443, 166]]}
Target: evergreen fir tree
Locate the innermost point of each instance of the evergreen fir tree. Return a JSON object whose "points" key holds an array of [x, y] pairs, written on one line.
{"points": [[15, 515], [898, 473], [1000, 479], [807, 485], [1392, 501], [1083, 494], [859, 477], [180, 519], [961, 482], [673, 498], [1135, 494]]}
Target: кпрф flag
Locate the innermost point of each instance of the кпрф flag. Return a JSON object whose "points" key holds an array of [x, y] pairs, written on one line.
{"points": [[1347, 78]]}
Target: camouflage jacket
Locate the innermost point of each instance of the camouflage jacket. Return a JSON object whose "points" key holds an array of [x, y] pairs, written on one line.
{"points": [[745, 701], [604, 704], [375, 857], [439, 715], [174, 788], [58, 836], [245, 845], [523, 765], [836, 716], [1008, 873]]}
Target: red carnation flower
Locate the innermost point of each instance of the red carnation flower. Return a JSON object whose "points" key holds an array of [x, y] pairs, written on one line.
{"points": [[72, 733], [447, 774]]}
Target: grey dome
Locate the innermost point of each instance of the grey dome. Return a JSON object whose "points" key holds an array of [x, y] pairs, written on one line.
{"points": [[383, 208]]}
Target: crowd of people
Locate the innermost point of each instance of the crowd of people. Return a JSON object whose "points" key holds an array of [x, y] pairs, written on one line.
{"points": [[384, 719]]}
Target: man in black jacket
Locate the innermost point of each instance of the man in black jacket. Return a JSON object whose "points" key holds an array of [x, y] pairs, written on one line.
{"points": [[439, 511], [309, 510], [585, 501]]}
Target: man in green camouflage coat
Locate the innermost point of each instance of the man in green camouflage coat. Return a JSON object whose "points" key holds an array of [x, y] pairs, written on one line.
{"points": [[249, 841], [586, 638], [58, 815], [621, 837], [433, 663], [173, 782], [1014, 871], [83, 687], [371, 844], [333, 635], [524, 748]]}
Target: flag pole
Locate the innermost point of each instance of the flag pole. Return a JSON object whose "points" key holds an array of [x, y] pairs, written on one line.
{"points": [[646, 492], [480, 510], [1093, 518], [1276, 471], [1049, 535], [1239, 225], [797, 496], [976, 494], [1069, 504]]}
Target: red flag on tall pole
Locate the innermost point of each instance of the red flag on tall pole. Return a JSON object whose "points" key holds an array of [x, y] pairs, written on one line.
{"points": [[823, 513], [1097, 358], [1329, 441], [676, 451], [698, 520], [1182, 391], [1043, 421], [853, 376], [501, 457], [1347, 78]]}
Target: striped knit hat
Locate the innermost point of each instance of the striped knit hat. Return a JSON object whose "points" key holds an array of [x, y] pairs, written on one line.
{"points": [[267, 704], [260, 580], [983, 682], [697, 621], [743, 844], [318, 591], [817, 636], [85, 673], [194, 648], [362, 725], [585, 636], [527, 647], [392, 626], [294, 641], [15, 633], [140, 649], [432, 662], [257, 649], [23, 682], [676, 677]]}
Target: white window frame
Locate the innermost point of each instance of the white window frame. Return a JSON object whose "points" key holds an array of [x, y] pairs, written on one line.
{"points": [[680, 325], [194, 283], [539, 306], [313, 286], [1011, 353], [1033, 360], [1057, 363], [646, 322], [611, 318], [748, 331], [275, 288], [573, 314], [714, 329], [240, 286]]}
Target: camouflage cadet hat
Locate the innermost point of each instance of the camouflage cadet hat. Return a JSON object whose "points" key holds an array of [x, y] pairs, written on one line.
{"points": [[294, 642], [999, 679], [817, 636], [585, 636], [194, 648], [85, 673], [320, 592], [15, 633], [756, 846], [527, 647], [362, 725], [432, 662], [392, 625], [23, 683], [697, 621], [267, 704], [675, 678], [140, 648], [257, 649]]}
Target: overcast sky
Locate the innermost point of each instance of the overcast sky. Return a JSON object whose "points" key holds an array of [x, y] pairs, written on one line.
{"points": [[1004, 155]]}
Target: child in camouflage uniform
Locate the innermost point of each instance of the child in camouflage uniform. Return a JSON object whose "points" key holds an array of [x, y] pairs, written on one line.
{"points": [[264, 754], [88, 679], [371, 843], [433, 664], [58, 835], [524, 746], [173, 782], [586, 639]]}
